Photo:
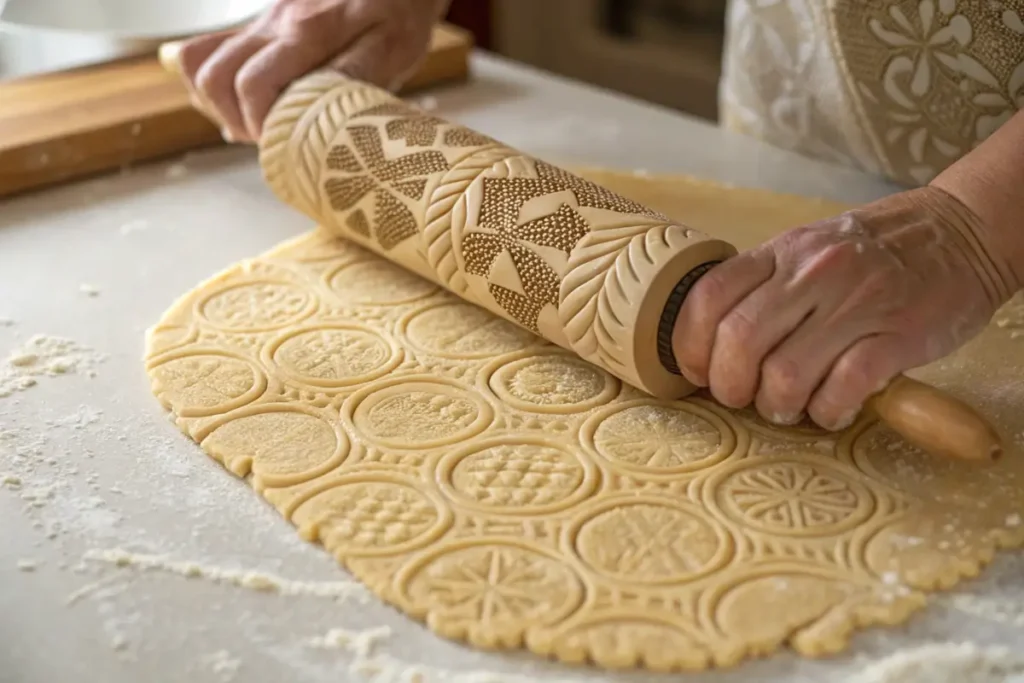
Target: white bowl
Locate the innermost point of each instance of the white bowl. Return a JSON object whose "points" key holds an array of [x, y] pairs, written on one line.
{"points": [[129, 19]]}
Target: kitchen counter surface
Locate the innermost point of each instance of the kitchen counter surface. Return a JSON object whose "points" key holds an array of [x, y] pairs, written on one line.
{"points": [[126, 555]]}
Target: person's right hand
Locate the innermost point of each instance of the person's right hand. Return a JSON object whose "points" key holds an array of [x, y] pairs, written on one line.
{"points": [[236, 76]]}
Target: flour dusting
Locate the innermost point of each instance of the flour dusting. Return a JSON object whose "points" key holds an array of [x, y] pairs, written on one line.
{"points": [[45, 356], [945, 663], [370, 663], [134, 226], [242, 578], [222, 664]]}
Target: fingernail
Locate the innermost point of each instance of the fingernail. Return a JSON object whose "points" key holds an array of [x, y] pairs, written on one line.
{"points": [[845, 420]]}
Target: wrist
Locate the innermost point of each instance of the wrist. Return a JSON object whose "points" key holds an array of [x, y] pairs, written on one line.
{"points": [[973, 239], [987, 185]]}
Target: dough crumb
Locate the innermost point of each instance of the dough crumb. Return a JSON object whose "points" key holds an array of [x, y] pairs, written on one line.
{"points": [[222, 664], [89, 290], [119, 643], [26, 565], [11, 481], [259, 582], [22, 360], [944, 663], [1013, 520], [6, 322], [360, 643]]}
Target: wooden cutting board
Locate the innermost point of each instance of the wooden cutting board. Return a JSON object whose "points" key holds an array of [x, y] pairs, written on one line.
{"points": [[66, 125]]}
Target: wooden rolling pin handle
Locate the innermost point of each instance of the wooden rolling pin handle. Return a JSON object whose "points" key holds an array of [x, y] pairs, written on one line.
{"points": [[936, 422]]}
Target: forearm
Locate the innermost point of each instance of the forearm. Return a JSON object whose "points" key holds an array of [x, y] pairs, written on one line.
{"points": [[990, 182]]}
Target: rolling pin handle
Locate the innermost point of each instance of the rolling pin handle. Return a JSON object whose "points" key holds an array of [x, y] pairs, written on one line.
{"points": [[936, 422]]}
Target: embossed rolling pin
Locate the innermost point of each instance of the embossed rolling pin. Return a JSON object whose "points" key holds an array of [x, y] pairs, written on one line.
{"points": [[582, 267]]}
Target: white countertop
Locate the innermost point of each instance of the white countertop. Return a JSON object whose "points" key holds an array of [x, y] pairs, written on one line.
{"points": [[103, 471]]}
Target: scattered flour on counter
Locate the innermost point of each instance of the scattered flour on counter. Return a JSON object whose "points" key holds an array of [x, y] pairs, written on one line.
{"points": [[222, 664], [175, 171], [997, 610], [134, 226], [45, 356], [369, 663], [89, 588], [253, 580], [945, 663]]}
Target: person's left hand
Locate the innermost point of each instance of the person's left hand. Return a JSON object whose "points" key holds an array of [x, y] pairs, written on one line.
{"points": [[817, 320], [236, 75]]}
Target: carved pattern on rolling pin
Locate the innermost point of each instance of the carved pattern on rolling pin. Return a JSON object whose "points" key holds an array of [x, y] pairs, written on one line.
{"points": [[573, 262]]}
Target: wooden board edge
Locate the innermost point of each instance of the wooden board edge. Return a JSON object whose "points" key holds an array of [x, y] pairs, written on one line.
{"points": [[123, 142]]}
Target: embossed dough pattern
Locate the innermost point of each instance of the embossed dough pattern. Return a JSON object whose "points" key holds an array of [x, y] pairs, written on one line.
{"points": [[510, 495]]}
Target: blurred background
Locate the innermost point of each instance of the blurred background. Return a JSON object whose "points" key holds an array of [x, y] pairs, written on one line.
{"points": [[663, 51]]}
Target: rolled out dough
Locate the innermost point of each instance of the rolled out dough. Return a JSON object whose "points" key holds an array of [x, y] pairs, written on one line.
{"points": [[512, 495]]}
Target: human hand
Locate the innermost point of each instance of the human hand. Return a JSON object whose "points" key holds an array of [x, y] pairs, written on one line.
{"points": [[236, 76], [819, 319]]}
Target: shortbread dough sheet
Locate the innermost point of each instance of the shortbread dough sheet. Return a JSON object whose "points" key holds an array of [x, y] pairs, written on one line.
{"points": [[511, 495]]}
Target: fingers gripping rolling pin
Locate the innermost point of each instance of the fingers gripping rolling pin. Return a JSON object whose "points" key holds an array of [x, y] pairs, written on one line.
{"points": [[582, 267]]}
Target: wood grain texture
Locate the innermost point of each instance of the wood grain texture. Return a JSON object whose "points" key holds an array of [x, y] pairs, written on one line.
{"points": [[574, 263], [70, 124]]}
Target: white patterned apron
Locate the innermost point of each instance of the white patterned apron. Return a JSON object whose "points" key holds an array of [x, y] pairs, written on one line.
{"points": [[900, 88]]}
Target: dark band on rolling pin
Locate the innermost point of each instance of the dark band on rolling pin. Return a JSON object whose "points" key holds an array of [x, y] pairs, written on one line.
{"points": [[671, 312]]}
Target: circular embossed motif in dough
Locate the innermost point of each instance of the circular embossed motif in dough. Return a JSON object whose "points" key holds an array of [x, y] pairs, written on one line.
{"points": [[206, 383], [419, 414], [649, 540], [378, 282], [456, 329], [281, 446], [370, 517], [656, 438], [516, 475], [489, 592], [335, 355], [553, 383], [792, 497], [257, 306]]}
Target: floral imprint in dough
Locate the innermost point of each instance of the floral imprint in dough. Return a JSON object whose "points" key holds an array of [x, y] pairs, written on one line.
{"points": [[510, 495]]}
